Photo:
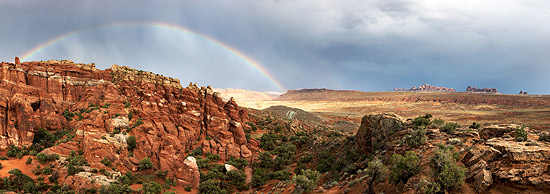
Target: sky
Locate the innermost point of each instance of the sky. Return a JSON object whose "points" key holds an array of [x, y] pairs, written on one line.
{"points": [[367, 45]]}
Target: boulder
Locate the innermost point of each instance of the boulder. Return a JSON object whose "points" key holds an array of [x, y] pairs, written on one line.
{"points": [[496, 130], [190, 174], [375, 129]]}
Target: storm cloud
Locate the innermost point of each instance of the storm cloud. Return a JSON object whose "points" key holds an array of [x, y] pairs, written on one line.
{"points": [[368, 45]]}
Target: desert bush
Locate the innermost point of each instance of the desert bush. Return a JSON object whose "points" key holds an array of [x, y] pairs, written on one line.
{"points": [[438, 121], [378, 173], [429, 187], [106, 162], [213, 157], [151, 188], [475, 126], [43, 158], [211, 187], [306, 181], [282, 175], [544, 137], [236, 178], [422, 120], [131, 141], [404, 167], [268, 141], [521, 134], [448, 174], [449, 127], [239, 163], [325, 162], [258, 177], [264, 160], [417, 138], [145, 164]]}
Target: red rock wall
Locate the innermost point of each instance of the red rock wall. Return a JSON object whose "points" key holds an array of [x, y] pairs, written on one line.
{"points": [[175, 119]]}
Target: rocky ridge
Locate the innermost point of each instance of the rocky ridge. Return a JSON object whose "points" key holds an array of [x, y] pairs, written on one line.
{"points": [[493, 155], [166, 119]]}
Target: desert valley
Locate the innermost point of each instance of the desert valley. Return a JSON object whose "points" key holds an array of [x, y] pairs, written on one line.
{"points": [[70, 127]]}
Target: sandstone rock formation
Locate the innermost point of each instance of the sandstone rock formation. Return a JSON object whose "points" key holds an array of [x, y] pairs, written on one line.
{"points": [[485, 90], [426, 87], [375, 129], [502, 158], [166, 119]]}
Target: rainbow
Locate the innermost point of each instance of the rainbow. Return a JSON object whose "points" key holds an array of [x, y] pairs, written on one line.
{"points": [[251, 62]]}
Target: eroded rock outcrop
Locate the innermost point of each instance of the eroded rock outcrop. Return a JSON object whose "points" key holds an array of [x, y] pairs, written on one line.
{"points": [[375, 129], [502, 158], [166, 119]]}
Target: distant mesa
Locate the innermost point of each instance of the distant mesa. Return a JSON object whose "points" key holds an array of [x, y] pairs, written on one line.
{"points": [[426, 87], [522, 92], [484, 90]]}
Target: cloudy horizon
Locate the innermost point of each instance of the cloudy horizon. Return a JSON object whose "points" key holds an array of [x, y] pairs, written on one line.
{"points": [[367, 45]]}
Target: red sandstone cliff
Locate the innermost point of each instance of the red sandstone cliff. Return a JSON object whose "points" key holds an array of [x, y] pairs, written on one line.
{"points": [[175, 119]]}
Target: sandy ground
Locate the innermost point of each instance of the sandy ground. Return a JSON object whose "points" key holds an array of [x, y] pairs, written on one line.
{"points": [[16, 163]]}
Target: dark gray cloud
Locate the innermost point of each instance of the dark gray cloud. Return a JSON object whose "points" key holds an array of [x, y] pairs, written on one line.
{"points": [[344, 44]]}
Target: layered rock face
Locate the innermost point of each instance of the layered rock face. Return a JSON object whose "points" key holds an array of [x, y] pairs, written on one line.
{"points": [[166, 119], [502, 158], [485, 90], [426, 87]]}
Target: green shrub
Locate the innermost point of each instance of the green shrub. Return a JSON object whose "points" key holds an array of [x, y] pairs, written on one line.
{"points": [[145, 164], [43, 158], [131, 141], [305, 159], [213, 157], [475, 126], [151, 188], [29, 160], [306, 181], [417, 138], [236, 178], [521, 134], [447, 172], [268, 141], [106, 162], [258, 177], [239, 163], [282, 175], [422, 120], [211, 187], [71, 169], [187, 188], [544, 137], [404, 167], [68, 115], [449, 127], [325, 162], [378, 173], [264, 160], [438, 121]]}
